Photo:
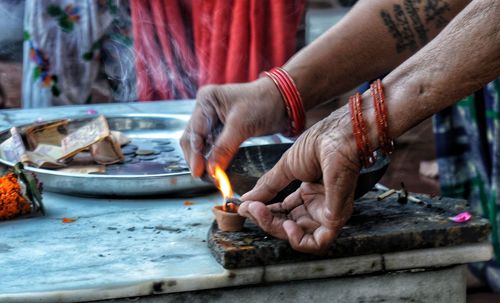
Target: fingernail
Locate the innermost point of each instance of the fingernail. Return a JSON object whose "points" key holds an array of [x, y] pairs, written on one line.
{"points": [[245, 196]]}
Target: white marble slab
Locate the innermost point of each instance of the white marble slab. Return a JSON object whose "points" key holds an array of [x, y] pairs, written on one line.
{"points": [[126, 248]]}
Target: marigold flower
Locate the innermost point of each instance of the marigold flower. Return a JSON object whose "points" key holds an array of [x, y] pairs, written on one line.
{"points": [[12, 202]]}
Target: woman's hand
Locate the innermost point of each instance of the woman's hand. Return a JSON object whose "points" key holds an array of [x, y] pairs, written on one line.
{"points": [[325, 158], [243, 110]]}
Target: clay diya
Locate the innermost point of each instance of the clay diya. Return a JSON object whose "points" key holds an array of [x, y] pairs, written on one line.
{"points": [[226, 215]]}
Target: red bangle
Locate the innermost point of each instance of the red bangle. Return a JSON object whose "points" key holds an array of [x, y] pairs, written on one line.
{"points": [[291, 97], [359, 131], [386, 144]]}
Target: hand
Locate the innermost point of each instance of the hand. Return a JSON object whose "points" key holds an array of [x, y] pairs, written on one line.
{"points": [[325, 158], [244, 110]]}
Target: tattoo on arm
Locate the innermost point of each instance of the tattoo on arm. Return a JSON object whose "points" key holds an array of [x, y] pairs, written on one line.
{"points": [[405, 22], [411, 9], [434, 10], [400, 29]]}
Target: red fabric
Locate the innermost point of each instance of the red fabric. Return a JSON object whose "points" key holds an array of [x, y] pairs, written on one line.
{"points": [[184, 44]]}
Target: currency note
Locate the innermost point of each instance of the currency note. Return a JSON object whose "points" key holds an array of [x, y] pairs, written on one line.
{"points": [[48, 133], [120, 137], [13, 149], [82, 138], [107, 151]]}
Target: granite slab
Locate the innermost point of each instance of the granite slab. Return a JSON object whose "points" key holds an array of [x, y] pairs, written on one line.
{"points": [[376, 227]]}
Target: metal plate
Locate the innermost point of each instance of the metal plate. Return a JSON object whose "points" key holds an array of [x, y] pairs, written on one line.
{"points": [[145, 174], [251, 162]]}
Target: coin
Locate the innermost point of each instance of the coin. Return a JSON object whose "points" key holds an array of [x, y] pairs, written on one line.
{"points": [[146, 152], [147, 157], [128, 152], [129, 149], [162, 142]]}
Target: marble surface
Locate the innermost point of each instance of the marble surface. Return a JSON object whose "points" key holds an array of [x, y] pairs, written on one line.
{"points": [[137, 247]]}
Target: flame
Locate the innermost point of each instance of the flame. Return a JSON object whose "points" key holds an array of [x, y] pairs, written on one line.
{"points": [[223, 184]]}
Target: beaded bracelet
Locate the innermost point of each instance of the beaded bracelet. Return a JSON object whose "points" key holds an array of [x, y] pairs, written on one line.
{"points": [[291, 97], [359, 131], [377, 92]]}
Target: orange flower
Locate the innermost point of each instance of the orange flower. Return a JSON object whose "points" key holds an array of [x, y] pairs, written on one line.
{"points": [[188, 203], [12, 203]]}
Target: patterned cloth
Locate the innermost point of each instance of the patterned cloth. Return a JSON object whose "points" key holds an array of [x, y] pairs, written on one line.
{"points": [[468, 152], [76, 52]]}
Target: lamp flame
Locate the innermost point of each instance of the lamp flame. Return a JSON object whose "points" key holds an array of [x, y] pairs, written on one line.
{"points": [[223, 184]]}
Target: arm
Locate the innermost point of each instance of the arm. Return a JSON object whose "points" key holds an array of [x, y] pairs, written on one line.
{"points": [[371, 40], [462, 58]]}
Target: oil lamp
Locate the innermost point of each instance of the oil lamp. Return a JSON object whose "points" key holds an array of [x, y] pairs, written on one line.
{"points": [[226, 214]]}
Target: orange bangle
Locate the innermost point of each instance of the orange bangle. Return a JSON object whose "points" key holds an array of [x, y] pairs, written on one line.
{"points": [[386, 144], [291, 97], [359, 131]]}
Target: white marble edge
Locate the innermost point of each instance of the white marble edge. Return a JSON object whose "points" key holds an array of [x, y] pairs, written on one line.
{"points": [[438, 257], [350, 266], [142, 288]]}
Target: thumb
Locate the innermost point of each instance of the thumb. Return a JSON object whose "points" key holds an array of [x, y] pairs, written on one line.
{"points": [[272, 182], [340, 184]]}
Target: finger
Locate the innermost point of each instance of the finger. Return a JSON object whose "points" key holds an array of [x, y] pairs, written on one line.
{"points": [[192, 146], [272, 182], [298, 212], [196, 133], [307, 224], [243, 210], [293, 200], [317, 242], [265, 219], [277, 208], [227, 144]]}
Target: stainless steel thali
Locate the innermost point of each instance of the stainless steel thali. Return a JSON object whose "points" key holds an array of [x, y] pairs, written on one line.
{"points": [[140, 178]]}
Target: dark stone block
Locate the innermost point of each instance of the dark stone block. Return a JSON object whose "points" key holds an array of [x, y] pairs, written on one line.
{"points": [[375, 227]]}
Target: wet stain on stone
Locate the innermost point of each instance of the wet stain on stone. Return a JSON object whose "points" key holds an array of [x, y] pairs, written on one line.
{"points": [[168, 228], [172, 257], [231, 275], [157, 287], [171, 283], [4, 248]]}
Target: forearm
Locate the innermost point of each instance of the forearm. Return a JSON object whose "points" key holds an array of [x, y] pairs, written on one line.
{"points": [[461, 59], [372, 39]]}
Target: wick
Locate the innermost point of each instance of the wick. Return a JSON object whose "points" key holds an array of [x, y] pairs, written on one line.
{"points": [[231, 204]]}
